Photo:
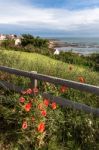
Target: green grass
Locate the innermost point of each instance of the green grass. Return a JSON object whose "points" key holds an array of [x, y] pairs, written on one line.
{"points": [[75, 132], [45, 65]]}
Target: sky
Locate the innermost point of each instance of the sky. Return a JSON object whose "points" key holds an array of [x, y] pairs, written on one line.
{"points": [[50, 18]]}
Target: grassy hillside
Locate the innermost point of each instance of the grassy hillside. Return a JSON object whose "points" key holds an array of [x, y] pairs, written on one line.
{"points": [[65, 129], [46, 65]]}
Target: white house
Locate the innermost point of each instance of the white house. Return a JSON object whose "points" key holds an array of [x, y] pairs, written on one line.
{"points": [[17, 41], [57, 52]]}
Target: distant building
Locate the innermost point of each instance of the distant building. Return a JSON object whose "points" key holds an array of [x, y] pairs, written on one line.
{"points": [[17, 41], [2, 37], [12, 36], [57, 52], [51, 44]]}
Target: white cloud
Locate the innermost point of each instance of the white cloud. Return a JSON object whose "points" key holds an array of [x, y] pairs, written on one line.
{"points": [[59, 19]]}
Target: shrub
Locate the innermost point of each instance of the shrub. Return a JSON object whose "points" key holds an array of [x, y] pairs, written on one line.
{"points": [[29, 122]]}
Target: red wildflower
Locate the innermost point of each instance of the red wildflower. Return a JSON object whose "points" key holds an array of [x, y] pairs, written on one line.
{"points": [[24, 125], [35, 90], [53, 105], [46, 102], [43, 112], [63, 89], [29, 91], [40, 106], [33, 119], [41, 127], [81, 79], [21, 99], [28, 106]]}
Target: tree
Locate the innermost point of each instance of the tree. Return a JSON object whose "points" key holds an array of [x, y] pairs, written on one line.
{"points": [[36, 42]]}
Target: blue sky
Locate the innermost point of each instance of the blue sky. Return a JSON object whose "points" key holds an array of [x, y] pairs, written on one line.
{"points": [[50, 17], [69, 4]]}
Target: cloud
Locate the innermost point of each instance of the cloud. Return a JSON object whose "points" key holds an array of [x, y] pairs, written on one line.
{"points": [[22, 14]]}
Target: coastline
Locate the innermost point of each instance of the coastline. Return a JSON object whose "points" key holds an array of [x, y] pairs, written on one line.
{"points": [[76, 47]]}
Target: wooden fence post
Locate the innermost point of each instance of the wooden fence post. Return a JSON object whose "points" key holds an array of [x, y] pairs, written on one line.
{"points": [[33, 81]]}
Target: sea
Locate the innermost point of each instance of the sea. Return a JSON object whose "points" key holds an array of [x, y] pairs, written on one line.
{"points": [[84, 46]]}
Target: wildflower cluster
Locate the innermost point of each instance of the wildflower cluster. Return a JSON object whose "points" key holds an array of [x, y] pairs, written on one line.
{"points": [[34, 111]]}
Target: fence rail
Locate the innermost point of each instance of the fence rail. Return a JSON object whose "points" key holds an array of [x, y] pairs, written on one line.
{"points": [[51, 79], [71, 104], [34, 76]]}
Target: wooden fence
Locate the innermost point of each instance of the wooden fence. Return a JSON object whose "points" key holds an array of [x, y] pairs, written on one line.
{"points": [[34, 76]]}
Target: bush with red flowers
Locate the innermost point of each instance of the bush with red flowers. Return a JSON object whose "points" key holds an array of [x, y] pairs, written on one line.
{"points": [[29, 121], [33, 117]]}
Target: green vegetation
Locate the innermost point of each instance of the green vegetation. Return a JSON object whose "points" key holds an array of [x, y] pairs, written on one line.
{"points": [[29, 43], [28, 39], [33, 44], [65, 129], [45, 65], [91, 61], [8, 43]]}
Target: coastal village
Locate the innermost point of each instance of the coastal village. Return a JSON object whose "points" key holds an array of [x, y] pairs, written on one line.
{"points": [[14, 37], [51, 44], [80, 48]]}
